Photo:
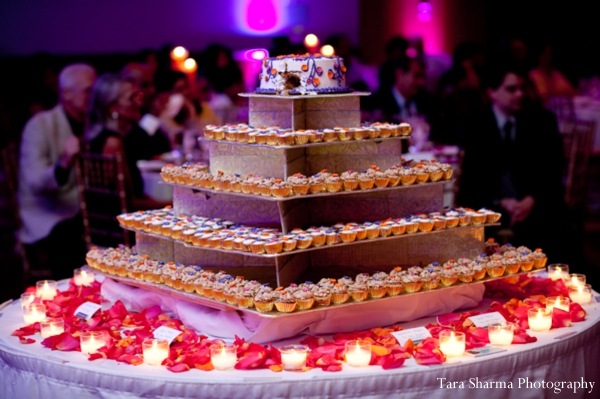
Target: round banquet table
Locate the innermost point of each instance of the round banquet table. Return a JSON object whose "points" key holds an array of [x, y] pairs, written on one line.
{"points": [[32, 371]]}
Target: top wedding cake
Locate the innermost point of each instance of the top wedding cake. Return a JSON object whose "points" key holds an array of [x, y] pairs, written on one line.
{"points": [[303, 74]]}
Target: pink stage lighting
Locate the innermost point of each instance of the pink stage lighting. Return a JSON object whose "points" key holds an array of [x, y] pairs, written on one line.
{"points": [[260, 16], [424, 9]]}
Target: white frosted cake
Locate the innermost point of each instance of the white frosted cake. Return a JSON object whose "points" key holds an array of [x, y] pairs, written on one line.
{"points": [[299, 74]]}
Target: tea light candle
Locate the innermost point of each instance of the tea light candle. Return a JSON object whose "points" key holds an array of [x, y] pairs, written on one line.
{"points": [[558, 271], [452, 343], [581, 294], [26, 299], [155, 351], [577, 279], [501, 334], [33, 313], [293, 357], [46, 289], [223, 357], [90, 341], [358, 353], [51, 327], [559, 302], [540, 320], [82, 277]]}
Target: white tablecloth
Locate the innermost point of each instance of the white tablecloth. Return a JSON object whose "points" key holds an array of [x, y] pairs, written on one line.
{"points": [[31, 371]]}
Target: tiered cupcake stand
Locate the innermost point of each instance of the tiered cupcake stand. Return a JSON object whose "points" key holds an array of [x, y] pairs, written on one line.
{"points": [[316, 112]]}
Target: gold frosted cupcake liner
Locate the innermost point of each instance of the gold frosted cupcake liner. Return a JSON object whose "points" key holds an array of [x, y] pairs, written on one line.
{"points": [[426, 226], [230, 298], [448, 281], [436, 176], [538, 263], [274, 248], [366, 184], [479, 275], [333, 187], [281, 192], [300, 189], [350, 185], [422, 178], [316, 188], [319, 240], [326, 301], [207, 292], [496, 271], [394, 290], [394, 181], [189, 287], [408, 180], [361, 235], [513, 269], [377, 292], [244, 302], [218, 295], [264, 307], [359, 296], [527, 266], [340, 298], [413, 287], [285, 307], [382, 183], [301, 139], [348, 236], [431, 285], [466, 278]]}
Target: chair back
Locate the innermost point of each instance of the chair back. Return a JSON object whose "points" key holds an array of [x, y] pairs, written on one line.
{"points": [[103, 197], [577, 139]]}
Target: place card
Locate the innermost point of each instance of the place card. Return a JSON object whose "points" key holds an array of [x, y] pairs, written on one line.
{"points": [[86, 310], [486, 350], [416, 335], [166, 333], [565, 335], [483, 320]]}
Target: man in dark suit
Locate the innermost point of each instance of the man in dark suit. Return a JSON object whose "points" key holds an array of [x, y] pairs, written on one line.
{"points": [[513, 163], [406, 97]]}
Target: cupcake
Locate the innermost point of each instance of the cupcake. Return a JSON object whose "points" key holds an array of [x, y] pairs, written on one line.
{"points": [[377, 287], [299, 183], [285, 303], [479, 270], [373, 231], [412, 282], [350, 180], [495, 268], [348, 234], [359, 291], [281, 189], [304, 299], [407, 176], [274, 246], [316, 184], [426, 225], [229, 293], [263, 301], [526, 259], [465, 274], [430, 278], [448, 276], [339, 293], [330, 135], [289, 243], [539, 259], [318, 238], [333, 183], [394, 285], [244, 298], [304, 241], [322, 296], [393, 176], [512, 264], [366, 181]]}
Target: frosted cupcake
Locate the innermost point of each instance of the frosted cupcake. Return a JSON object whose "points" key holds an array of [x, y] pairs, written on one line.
{"points": [[526, 259], [318, 238], [366, 181], [263, 301], [448, 276], [299, 183], [333, 183], [304, 299], [316, 184], [229, 293], [340, 293], [495, 268], [359, 291], [430, 278], [465, 274], [394, 285], [322, 296], [350, 180], [377, 287], [285, 303], [412, 282], [244, 298], [539, 259], [478, 268], [512, 264], [346, 280]]}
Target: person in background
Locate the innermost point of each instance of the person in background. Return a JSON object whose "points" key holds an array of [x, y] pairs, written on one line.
{"points": [[547, 80], [406, 97], [48, 196], [513, 164], [141, 75], [113, 112], [224, 75], [395, 50]]}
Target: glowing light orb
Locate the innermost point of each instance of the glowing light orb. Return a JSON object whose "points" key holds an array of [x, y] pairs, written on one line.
{"points": [[179, 52], [311, 40], [327, 50], [190, 65]]}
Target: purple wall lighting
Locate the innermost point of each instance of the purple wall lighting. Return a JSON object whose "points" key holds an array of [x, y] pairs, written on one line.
{"points": [[424, 10], [260, 17]]}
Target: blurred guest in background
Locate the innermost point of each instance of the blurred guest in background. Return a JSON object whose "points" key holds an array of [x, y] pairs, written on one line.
{"points": [[547, 80], [405, 98], [395, 50], [224, 75], [142, 76], [113, 112], [506, 169], [48, 196]]}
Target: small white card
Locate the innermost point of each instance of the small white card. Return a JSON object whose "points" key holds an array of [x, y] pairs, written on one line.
{"points": [[415, 334], [483, 320], [86, 310], [166, 333], [486, 350]]}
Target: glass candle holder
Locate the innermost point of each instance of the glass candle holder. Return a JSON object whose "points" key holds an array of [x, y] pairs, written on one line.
{"points": [[558, 271], [27, 298], [452, 343], [559, 302], [576, 279], [293, 357], [155, 351], [51, 327], [223, 356], [358, 353], [581, 294], [501, 334], [83, 277], [90, 341], [540, 320], [33, 313], [46, 289]]}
